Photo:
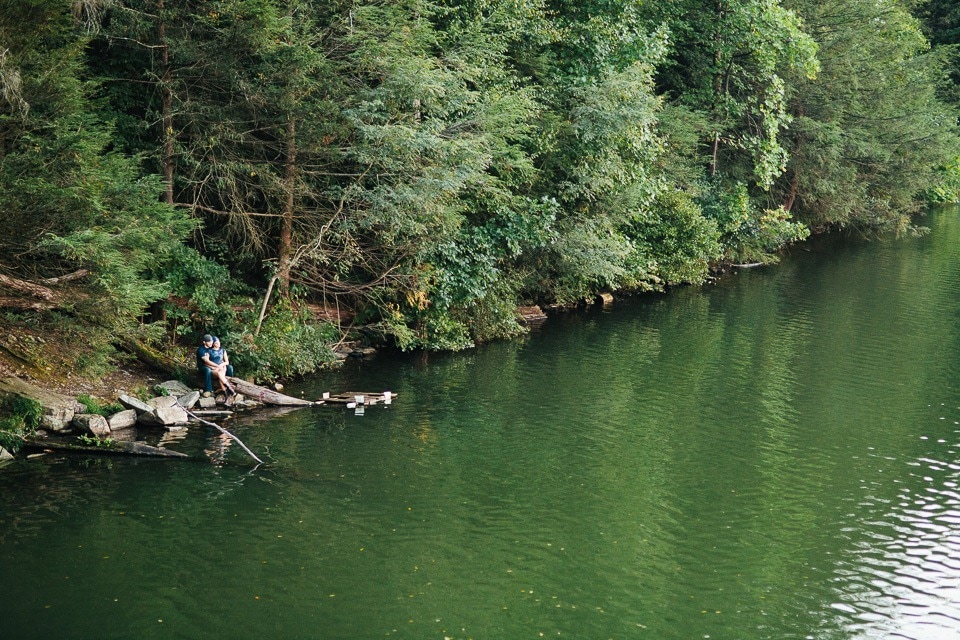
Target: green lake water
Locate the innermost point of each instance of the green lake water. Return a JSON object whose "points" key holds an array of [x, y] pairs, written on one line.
{"points": [[772, 456]]}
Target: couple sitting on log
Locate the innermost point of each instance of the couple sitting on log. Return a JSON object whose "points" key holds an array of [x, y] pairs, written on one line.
{"points": [[212, 361]]}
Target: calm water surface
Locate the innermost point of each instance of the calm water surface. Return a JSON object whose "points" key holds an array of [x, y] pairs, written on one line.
{"points": [[775, 456]]}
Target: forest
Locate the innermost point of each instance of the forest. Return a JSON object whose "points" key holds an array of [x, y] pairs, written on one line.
{"points": [[286, 173]]}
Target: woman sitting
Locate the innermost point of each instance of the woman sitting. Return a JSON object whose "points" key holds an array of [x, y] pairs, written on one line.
{"points": [[219, 364]]}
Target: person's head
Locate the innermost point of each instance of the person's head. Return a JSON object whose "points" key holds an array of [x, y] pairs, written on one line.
{"points": [[216, 342], [207, 340]]}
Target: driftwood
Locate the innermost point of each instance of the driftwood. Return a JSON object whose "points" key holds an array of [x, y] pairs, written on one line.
{"points": [[226, 433], [267, 396], [114, 447]]}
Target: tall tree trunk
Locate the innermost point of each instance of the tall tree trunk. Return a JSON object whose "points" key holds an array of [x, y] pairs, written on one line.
{"points": [[166, 99], [714, 148], [792, 193], [795, 173], [286, 225], [717, 82]]}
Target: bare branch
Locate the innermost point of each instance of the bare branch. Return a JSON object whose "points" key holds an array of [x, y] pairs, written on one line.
{"points": [[11, 86], [89, 13], [70, 277]]}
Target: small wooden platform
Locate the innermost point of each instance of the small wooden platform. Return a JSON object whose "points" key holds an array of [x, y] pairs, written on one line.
{"points": [[350, 398], [275, 398]]}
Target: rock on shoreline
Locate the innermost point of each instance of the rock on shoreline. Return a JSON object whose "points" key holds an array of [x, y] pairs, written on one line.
{"points": [[62, 414]]}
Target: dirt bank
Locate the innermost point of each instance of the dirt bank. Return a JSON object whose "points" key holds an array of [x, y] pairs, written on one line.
{"points": [[50, 359]]}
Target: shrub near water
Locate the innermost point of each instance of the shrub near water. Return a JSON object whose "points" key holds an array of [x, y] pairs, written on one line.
{"points": [[947, 188], [289, 344], [19, 417], [94, 406]]}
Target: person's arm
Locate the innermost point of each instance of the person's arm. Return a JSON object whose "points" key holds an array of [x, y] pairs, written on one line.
{"points": [[226, 358]]}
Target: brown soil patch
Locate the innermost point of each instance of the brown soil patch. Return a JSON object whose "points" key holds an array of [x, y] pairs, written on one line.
{"points": [[48, 358]]}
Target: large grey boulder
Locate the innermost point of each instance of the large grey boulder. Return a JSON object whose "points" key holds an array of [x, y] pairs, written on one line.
{"points": [[92, 424], [162, 402], [189, 400], [174, 388], [164, 416], [122, 420], [5, 455], [173, 415], [58, 409], [137, 405]]}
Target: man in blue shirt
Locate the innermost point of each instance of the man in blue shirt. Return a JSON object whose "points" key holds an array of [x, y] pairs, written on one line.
{"points": [[204, 364]]}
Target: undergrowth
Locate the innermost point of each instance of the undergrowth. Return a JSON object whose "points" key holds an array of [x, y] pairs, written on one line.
{"points": [[19, 417]]}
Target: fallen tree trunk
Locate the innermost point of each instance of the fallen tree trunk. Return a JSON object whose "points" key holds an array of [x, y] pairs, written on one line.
{"points": [[159, 361], [267, 396], [30, 288], [25, 304], [41, 297], [113, 447]]}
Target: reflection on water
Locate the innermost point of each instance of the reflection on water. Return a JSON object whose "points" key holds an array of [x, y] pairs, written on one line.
{"points": [[772, 457], [903, 580]]}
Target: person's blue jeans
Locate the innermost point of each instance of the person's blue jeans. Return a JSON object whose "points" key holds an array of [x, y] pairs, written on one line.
{"points": [[207, 374]]}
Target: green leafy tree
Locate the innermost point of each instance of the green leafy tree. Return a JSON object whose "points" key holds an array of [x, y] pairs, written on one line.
{"points": [[870, 131], [941, 21], [426, 165], [728, 60]]}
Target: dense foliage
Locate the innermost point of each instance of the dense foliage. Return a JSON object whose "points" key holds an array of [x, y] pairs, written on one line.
{"points": [[429, 165], [19, 418]]}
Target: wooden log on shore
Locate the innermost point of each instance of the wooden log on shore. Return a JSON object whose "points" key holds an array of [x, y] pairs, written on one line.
{"points": [[267, 396], [156, 359], [113, 447]]}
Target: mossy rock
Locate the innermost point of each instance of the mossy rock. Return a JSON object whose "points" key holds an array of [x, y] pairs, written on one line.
{"points": [[57, 409]]}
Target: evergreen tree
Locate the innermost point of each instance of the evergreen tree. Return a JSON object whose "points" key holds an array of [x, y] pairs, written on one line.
{"points": [[430, 154], [76, 204], [869, 131]]}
